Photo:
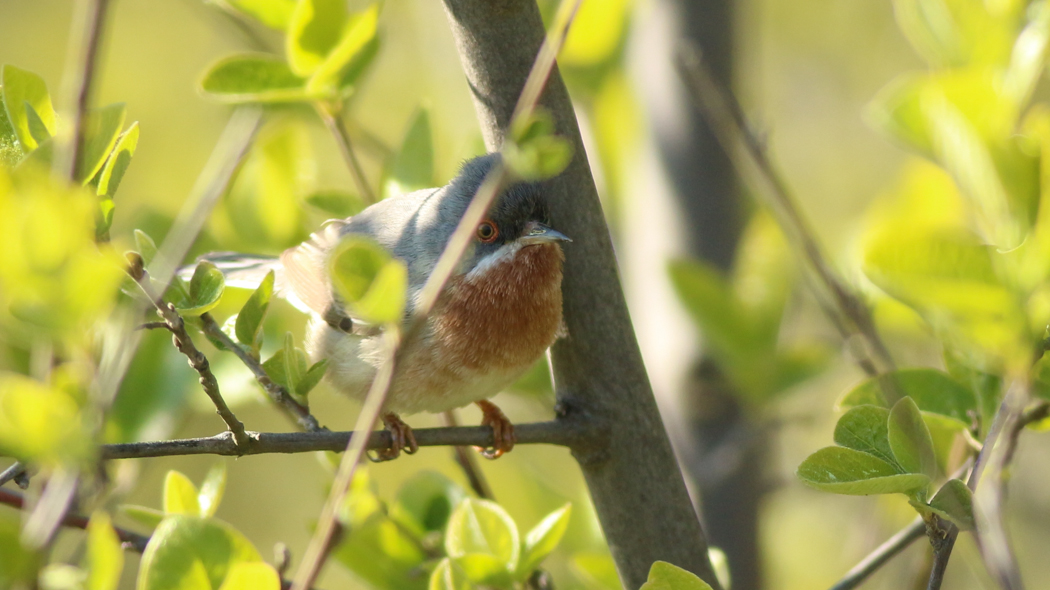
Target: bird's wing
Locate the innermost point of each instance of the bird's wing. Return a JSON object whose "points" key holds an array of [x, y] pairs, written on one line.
{"points": [[305, 272]]}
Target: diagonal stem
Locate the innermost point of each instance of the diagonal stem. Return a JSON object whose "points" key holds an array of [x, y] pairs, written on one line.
{"points": [[334, 121]]}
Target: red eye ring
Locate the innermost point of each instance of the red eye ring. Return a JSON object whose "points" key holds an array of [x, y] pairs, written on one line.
{"points": [[487, 232]]}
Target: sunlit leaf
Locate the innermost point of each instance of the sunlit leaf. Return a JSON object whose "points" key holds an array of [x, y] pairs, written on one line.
{"points": [[251, 576], [273, 13], [484, 570], [542, 539], [212, 488], [481, 526], [448, 576], [104, 558], [180, 495], [316, 26], [933, 391], [206, 289], [371, 282], [148, 517], [118, 161], [101, 130], [846, 471], [356, 36], [954, 501], [311, 378], [959, 32], [41, 423], [413, 165], [192, 553], [863, 428], [666, 576], [248, 78], [22, 88], [910, 439], [248, 326], [425, 501], [597, 30]]}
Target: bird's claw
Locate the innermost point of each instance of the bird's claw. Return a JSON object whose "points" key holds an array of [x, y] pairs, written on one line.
{"points": [[502, 430], [402, 439]]}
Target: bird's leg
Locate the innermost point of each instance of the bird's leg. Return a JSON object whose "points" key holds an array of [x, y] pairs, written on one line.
{"points": [[502, 430], [401, 436]]}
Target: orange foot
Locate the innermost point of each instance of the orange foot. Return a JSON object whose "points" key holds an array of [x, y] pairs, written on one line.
{"points": [[402, 437], [502, 430]]}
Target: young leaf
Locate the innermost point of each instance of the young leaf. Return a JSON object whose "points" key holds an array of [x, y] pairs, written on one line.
{"points": [[251, 576], [273, 13], [212, 488], [542, 539], [311, 378], [101, 130], [192, 552], [484, 570], [145, 246], [249, 320], [666, 576], [314, 30], [358, 33], [148, 517], [247, 78], [294, 364], [932, 391], [910, 439], [954, 501], [180, 495], [119, 159], [846, 471], [372, 283], [425, 502], [206, 288], [104, 558], [21, 89], [413, 165], [863, 428], [448, 576], [481, 526], [336, 203]]}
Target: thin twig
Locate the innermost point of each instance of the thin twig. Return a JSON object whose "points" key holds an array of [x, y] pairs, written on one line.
{"points": [[17, 473], [733, 131], [130, 539], [51, 508], [468, 462], [334, 121], [883, 553], [279, 395], [83, 52], [497, 177], [177, 326], [556, 432]]}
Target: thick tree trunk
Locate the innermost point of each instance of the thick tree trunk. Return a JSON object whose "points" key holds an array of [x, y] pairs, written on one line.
{"points": [[634, 480]]}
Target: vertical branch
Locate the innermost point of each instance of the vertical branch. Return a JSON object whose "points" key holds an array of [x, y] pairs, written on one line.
{"points": [[80, 78], [468, 462], [334, 122], [631, 472]]}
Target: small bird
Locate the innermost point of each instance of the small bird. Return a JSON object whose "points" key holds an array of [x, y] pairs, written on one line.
{"points": [[501, 309]]}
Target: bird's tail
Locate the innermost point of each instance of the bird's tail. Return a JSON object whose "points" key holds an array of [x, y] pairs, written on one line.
{"points": [[241, 270]]}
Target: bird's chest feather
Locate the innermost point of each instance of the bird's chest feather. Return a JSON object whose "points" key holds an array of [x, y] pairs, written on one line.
{"points": [[505, 318]]}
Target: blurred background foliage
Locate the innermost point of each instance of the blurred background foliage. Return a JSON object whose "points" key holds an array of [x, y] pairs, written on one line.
{"points": [[806, 71]]}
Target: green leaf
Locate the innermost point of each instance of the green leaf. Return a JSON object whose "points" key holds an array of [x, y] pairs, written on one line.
{"points": [[311, 378], [481, 526], [37, 128], [248, 326], [484, 570], [666, 576], [425, 501], [145, 246], [337, 203], [206, 288], [104, 558], [979, 379], [358, 33], [910, 439], [101, 130], [413, 165], [448, 576], [864, 428], [846, 471], [933, 391], [273, 13], [119, 159], [535, 152], [18, 565], [294, 363], [954, 501], [709, 299], [251, 576], [180, 495], [373, 284], [192, 553], [61, 576], [542, 539], [41, 423], [250, 78], [10, 149], [21, 89], [212, 488], [314, 30], [148, 517]]}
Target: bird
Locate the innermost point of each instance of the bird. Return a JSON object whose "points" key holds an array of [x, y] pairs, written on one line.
{"points": [[500, 311]]}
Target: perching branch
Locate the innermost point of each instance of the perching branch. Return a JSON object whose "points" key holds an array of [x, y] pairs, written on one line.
{"points": [[83, 51], [280, 396], [730, 125], [468, 462]]}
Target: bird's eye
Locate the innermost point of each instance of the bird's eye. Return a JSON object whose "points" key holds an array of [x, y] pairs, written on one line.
{"points": [[487, 232]]}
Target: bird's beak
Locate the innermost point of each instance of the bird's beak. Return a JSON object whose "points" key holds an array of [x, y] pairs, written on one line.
{"points": [[537, 233]]}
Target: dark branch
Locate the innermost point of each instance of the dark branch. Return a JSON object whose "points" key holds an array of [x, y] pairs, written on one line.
{"points": [[91, 16], [881, 555], [132, 540], [468, 462]]}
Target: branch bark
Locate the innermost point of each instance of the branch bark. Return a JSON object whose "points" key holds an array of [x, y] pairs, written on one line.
{"points": [[631, 472]]}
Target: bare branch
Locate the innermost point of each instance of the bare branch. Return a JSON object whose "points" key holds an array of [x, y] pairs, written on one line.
{"points": [[729, 124], [334, 121], [882, 554], [132, 540], [17, 473], [80, 78], [279, 395], [468, 462]]}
